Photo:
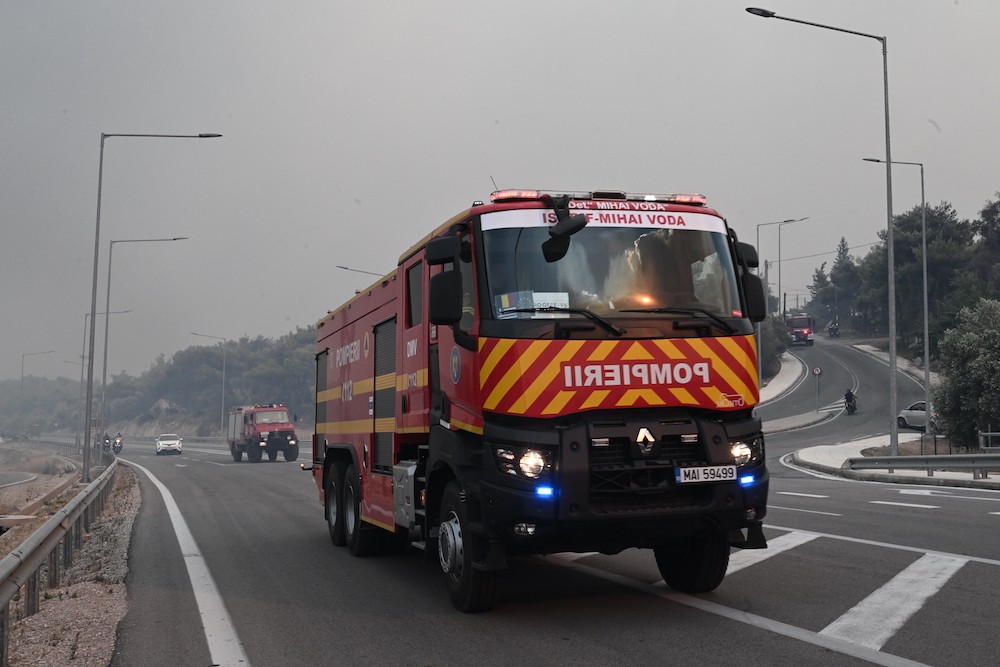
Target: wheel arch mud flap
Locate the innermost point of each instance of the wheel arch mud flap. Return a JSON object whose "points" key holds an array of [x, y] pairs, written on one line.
{"points": [[754, 538]]}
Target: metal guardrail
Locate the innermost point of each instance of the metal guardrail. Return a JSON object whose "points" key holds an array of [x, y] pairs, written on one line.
{"points": [[978, 464], [23, 566]]}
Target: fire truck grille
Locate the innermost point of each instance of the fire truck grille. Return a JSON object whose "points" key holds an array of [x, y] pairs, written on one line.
{"points": [[623, 479]]}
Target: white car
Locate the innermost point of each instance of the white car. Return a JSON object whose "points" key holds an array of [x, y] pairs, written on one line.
{"points": [[914, 416], [168, 442]]}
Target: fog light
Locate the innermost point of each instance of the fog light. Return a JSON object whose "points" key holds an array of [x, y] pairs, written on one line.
{"points": [[524, 529], [751, 514]]}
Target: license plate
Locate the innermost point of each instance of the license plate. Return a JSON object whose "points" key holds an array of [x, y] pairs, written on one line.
{"points": [[705, 474]]}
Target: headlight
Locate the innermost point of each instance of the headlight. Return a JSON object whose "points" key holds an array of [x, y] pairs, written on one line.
{"points": [[526, 463], [532, 464], [746, 452]]}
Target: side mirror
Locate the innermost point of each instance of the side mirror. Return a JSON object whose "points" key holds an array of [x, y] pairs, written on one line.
{"points": [[756, 303], [748, 254], [445, 299], [555, 248], [443, 250], [557, 245]]}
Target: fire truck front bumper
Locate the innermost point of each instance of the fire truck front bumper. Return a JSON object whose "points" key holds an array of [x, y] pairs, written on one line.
{"points": [[550, 518]]}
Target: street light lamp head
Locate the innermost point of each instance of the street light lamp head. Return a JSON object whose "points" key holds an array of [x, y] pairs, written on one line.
{"points": [[763, 13], [206, 135], [871, 159]]}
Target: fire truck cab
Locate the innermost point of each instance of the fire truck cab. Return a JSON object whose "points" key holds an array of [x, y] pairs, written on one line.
{"points": [[549, 372]]}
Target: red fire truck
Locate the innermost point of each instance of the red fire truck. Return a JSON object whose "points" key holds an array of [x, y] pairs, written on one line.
{"points": [[549, 372], [259, 429]]}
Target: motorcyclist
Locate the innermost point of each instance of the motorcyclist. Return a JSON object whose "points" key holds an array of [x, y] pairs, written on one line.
{"points": [[850, 401]]}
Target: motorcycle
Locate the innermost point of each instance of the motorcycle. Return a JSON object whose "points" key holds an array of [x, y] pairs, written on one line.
{"points": [[851, 404], [107, 443], [833, 331], [119, 442]]}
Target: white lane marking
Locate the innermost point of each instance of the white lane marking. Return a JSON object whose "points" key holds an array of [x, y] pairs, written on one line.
{"points": [[747, 557], [888, 545], [996, 513], [874, 620], [777, 627], [801, 495], [223, 643], [798, 509], [942, 494], [889, 502]]}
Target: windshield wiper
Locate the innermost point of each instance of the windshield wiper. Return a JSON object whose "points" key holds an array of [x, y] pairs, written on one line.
{"points": [[688, 310], [579, 311]]}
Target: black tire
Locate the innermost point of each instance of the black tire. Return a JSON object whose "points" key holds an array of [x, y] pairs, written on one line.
{"points": [[362, 538], [335, 503], [236, 452], [902, 422], [253, 452], [272, 454], [696, 565], [470, 590], [291, 452]]}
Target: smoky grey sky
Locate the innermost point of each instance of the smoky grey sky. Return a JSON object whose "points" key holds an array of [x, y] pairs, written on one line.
{"points": [[351, 129]]}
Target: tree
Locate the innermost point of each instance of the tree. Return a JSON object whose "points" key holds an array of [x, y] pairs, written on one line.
{"points": [[774, 342], [845, 277], [968, 397]]}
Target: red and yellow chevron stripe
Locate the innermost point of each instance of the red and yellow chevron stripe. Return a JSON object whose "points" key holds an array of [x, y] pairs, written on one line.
{"points": [[536, 378]]}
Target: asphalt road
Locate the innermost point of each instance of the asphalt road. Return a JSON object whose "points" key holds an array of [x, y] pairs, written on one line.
{"points": [[855, 573]]}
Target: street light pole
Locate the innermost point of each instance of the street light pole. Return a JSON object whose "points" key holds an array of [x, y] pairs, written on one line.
{"points": [[781, 297], [923, 243], [224, 341], [893, 427], [107, 314], [85, 475], [760, 331]]}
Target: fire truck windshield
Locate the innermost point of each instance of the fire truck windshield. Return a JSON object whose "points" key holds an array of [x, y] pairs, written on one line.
{"points": [[608, 269], [271, 417]]}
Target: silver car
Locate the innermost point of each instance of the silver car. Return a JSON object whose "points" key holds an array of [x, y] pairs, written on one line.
{"points": [[914, 416], [169, 442]]}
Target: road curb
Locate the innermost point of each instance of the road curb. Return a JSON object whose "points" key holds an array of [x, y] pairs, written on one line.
{"points": [[889, 478]]}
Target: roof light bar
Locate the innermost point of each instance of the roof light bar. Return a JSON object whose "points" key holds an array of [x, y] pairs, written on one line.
{"points": [[688, 199]]}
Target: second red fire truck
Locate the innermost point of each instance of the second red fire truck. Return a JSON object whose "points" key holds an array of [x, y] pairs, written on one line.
{"points": [[549, 372], [256, 430]]}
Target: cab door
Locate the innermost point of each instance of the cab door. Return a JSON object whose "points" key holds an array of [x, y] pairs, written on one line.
{"points": [[413, 395]]}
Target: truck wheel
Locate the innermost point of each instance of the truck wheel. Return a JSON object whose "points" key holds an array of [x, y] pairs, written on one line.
{"points": [[291, 452], [253, 452], [362, 539], [335, 504], [236, 452], [272, 454], [470, 590], [696, 565]]}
